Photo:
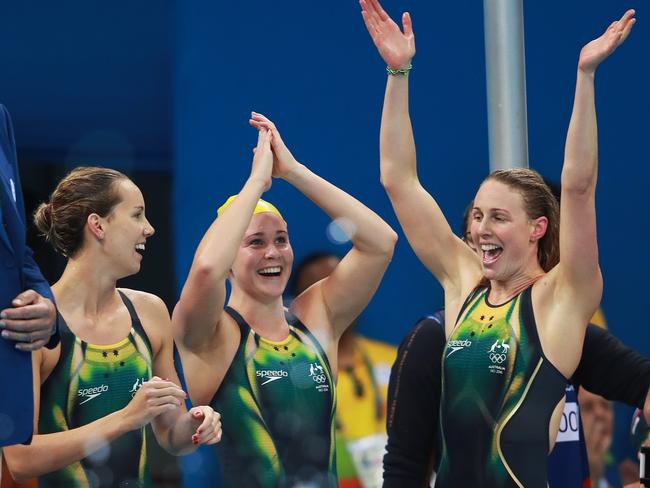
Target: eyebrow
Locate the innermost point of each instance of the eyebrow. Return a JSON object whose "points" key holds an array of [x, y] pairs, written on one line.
{"points": [[260, 234], [491, 210]]}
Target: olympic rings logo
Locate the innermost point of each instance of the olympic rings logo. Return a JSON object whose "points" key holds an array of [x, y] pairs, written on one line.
{"points": [[497, 358], [319, 378]]}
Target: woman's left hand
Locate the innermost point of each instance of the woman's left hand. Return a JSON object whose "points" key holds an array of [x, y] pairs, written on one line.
{"points": [[283, 161], [599, 49], [208, 423]]}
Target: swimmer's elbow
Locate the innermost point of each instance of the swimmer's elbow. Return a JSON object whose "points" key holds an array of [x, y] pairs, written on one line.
{"points": [[203, 270], [204, 276], [387, 246], [380, 243], [19, 468], [392, 185], [19, 476], [400, 186]]}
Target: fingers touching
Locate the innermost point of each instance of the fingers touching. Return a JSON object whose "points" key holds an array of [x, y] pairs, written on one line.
{"points": [[626, 24], [621, 28], [209, 430]]}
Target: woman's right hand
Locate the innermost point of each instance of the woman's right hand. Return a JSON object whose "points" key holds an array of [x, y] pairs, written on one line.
{"points": [[153, 398], [396, 48], [263, 159]]}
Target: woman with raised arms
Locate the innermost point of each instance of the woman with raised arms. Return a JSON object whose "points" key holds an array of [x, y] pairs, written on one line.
{"points": [[515, 313], [269, 371]]}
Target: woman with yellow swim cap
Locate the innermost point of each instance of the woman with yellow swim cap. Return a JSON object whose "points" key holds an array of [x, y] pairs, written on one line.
{"points": [[271, 371]]}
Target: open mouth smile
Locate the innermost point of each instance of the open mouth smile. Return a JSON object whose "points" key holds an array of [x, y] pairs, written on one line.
{"points": [[490, 253], [270, 272]]}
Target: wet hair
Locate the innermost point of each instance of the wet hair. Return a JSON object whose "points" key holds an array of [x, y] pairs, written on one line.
{"points": [[464, 228], [539, 201], [305, 263], [83, 191]]}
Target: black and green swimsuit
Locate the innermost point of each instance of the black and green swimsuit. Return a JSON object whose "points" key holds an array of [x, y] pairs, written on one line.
{"points": [[89, 382], [498, 394], [277, 402]]}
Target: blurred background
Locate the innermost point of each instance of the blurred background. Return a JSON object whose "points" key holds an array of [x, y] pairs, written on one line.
{"points": [[163, 89]]}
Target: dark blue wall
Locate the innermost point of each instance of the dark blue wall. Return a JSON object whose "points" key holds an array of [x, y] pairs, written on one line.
{"points": [[89, 81]]}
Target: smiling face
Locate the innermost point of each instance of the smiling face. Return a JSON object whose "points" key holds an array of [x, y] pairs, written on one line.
{"points": [[126, 230], [504, 235], [263, 263]]}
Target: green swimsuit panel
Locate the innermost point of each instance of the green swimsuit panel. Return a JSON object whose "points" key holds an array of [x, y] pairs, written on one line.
{"points": [[277, 401], [89, 382], [498, 394]]}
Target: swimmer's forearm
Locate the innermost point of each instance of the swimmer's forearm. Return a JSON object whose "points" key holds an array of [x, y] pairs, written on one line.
{"points": [[581, 151], [199, 309], [176, 438], [434, 241], [51, 452], [218, 248], [396, 142], [371, 234], [578, 270]]}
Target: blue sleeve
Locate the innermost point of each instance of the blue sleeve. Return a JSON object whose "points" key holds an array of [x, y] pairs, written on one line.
{"points": [[33, 278], [31, 274]]}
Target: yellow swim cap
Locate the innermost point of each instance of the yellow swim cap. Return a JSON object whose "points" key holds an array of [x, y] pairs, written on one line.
{"points": [[261, 207]]}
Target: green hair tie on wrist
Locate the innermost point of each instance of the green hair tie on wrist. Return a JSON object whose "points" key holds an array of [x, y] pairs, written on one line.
{"points": [[399, 71]]}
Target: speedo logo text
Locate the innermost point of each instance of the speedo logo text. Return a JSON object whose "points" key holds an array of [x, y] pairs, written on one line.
{"points": [[457, 345], [90, 393], [271, 375]]}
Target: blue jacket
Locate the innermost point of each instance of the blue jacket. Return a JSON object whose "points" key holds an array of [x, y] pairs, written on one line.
{"points": [[19, 273]]}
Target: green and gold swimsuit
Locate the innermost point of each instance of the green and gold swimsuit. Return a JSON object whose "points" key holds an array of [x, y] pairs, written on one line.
{"points": [[89, 382], [498, 394], [277, 402]]}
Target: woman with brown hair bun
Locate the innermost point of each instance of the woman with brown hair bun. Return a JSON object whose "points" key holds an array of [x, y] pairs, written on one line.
{"points": [[516, 313], [113, 372]]}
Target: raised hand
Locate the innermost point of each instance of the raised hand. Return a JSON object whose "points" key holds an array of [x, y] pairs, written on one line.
{"points": [[153, 398], [396, 48], [263, 159], [208, 423], [283, 162], [599, 49]]}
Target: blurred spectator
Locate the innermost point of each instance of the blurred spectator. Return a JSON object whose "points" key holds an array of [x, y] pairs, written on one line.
{"points": [[598, 424]]}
